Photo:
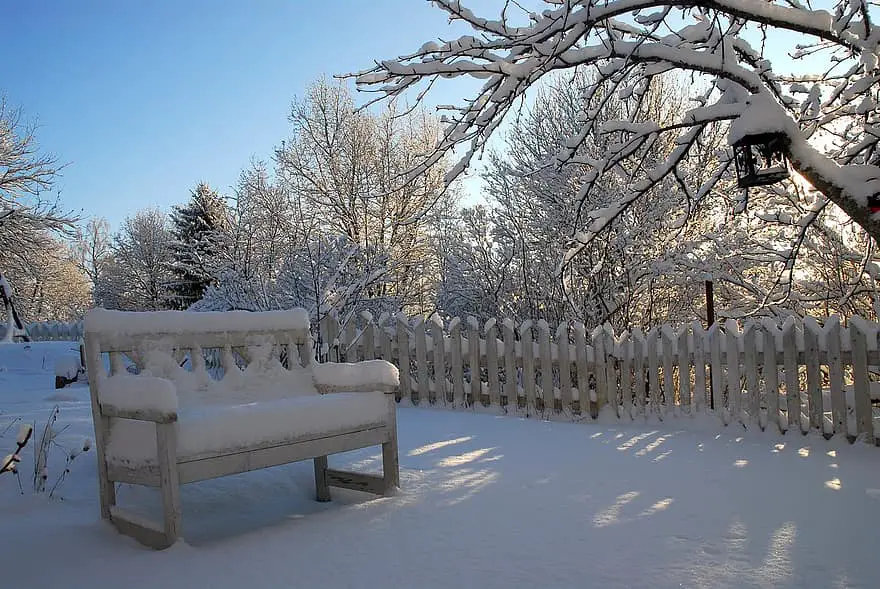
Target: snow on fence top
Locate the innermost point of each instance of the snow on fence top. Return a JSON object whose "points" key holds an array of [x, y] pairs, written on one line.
{"points": [[123, 323]]}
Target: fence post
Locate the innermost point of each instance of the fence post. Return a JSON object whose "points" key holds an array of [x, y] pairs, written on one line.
{"points": [[547, 396]]}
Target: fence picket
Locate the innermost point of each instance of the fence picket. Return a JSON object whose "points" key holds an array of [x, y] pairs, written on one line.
{"points": [[812, 332], [835, 375], [771, 373], [653, 372], [491, 332], [368, 336], [351, 341], [684, 369], [638, 342], [547, 397], [421, 362], [528, 364], [667, 336], [626, 390], [438, 352], [564, 360], [859, 330], [750, 364], [457, 362], [699, 339], [597, 338], [611, 375], [734, 382], [403, 365], [583, 371], [473, 342], [510, 370], [717, 372], [792, 384]]}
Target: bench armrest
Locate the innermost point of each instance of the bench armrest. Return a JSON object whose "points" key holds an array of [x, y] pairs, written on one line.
{"points": [[367, 376], [144, 398]]}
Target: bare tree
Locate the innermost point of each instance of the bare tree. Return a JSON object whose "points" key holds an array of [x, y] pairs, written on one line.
{"points": [[92, 249], [25, 174], [828, 117]]}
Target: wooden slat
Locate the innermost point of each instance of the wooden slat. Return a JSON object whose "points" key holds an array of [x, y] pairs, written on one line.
{"points": [[638, 342], [386, 341], [367, 483], [351, 341], [835, 375], [653, 372], [528, 363], [859, 330], [136, 526], [473, 342], [579, 334], [208, 467], [684, 369], [771, 373], [717, 373], [368, 337], [667, 336], [750, 349], [734, 382], [403, 363], [419, 332], [626, 390], [598, 341], [699, 339], [547, 397], [510, 370], [812, 332], [564, 350], [792, 386], [491, 332], [438, 353], [457, 362], [611, 377]]}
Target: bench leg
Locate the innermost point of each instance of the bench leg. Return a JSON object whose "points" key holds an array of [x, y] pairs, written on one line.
{"points": [[168, 477], [322, 488], [390, 466]]}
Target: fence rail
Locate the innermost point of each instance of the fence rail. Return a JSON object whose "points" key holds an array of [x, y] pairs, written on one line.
{"points": [[800, 375], [51, 331]]}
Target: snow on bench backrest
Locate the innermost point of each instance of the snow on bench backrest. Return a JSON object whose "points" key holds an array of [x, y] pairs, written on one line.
{"points": [[212, 358]]}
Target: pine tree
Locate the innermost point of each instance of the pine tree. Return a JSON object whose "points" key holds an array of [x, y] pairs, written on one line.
{"points": [[196, 230]]}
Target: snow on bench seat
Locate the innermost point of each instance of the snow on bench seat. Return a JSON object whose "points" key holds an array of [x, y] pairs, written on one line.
{"points": [[223, 429]]}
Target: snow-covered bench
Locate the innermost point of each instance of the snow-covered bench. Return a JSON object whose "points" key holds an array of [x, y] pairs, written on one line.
{"points": [[182, 419]]}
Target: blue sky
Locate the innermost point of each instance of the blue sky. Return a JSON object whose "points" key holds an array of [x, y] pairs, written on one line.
{"points": [[145, 99]]}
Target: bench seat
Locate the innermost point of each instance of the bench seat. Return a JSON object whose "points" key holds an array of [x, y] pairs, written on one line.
{"points": [[224, 429]]}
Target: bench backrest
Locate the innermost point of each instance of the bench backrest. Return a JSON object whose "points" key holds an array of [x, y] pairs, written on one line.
{"points": [[211, 357]]}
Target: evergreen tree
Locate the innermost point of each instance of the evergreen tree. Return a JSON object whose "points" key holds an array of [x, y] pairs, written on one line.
{"points": [[196, 229]]}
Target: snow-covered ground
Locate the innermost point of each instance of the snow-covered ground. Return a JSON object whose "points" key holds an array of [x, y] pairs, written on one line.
{"points": [[486, 502]]}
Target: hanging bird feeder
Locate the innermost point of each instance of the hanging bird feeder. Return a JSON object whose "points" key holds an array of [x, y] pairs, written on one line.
{"points": [[760, 159]]}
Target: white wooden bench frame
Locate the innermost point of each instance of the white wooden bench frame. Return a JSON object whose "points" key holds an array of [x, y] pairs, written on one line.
{"points": [[170, 471]]}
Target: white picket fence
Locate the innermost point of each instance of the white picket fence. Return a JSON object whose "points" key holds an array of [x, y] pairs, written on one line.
{"points": [[51, 331], [801, 375]]}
